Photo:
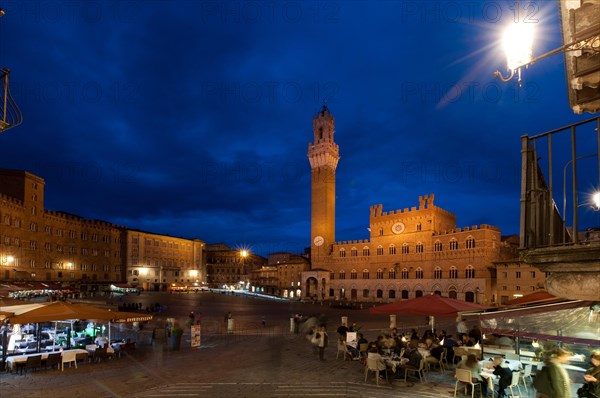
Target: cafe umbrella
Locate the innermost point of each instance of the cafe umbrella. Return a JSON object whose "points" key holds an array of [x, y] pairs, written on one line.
{"points": [[432, 305]]}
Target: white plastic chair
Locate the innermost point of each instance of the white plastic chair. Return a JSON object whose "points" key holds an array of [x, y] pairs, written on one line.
{"points": [[420, 370], [464, 376], [516, 376], [375, 365], [526, 372], [68, 357]]}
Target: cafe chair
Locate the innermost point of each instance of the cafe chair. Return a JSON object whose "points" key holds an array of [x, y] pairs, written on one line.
{"points": [[526, 373], [464, 376], [375, 365], [33, 362], [433, 361], [363, 349], [53, 359], [516, 377], [420, 370], [341, 347], [69, 357], [100, 355]]}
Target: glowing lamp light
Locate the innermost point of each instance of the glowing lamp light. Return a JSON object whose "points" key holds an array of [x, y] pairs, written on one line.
{"points": [[518, 44], [193, 273], [596, 200], [477, 346], [535, 344], [244, 253], [10, 259]]}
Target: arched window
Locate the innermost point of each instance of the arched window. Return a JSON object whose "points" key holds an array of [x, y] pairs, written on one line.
{"points": [[392, 274], [353, 294], [437, 292], [418, 226], [405, 249], [452, 294], [392, 249], [419, 248], [392, 294], [453, 274], [342, 252], [453, 244], [419, 273], [470, 297], [470, 243], [365, 293], [353, 274], [437, 273], [437, 246], [380, 231], [418, 293], [404, 274], [470, 272], [353, 252], [380, 274], [331, 275], [366, 251], [342, 274], [379, 293], [404, 294], [379, 250], [365, 274]]}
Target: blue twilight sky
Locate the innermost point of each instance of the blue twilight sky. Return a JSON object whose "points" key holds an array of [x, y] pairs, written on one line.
{"points": [[192, 118]]}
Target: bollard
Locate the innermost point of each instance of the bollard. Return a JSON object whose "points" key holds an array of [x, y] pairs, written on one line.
{"points": [[392, 321], [230, 325], [345, 321]]}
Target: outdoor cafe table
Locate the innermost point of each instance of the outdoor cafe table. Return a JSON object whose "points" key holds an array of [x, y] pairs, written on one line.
{"points": [[12, 361]]}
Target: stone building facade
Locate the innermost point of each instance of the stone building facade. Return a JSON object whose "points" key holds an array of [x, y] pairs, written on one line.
{"points": [[42, 245], [161, 262], [227, 267], [411, 252]]}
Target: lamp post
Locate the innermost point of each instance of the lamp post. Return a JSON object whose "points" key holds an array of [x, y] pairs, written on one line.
{"points": [[243, 254]]}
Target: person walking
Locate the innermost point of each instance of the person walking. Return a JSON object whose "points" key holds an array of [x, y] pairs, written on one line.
{"points": [[322, 341], [553, 380]]}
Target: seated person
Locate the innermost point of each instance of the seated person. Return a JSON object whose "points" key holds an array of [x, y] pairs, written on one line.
{"points": [[360, 339], [505, 375], [101, 341], [450, 343], [413, 355], [376, 357], [471, 363], [465, 341]]}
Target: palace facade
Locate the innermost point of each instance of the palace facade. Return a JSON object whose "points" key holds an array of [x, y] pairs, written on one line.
{"points": [[51, 246], [410, 252]]}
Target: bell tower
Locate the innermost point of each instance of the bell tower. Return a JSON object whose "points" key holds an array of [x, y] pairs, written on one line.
{"points": [[323, 155]]}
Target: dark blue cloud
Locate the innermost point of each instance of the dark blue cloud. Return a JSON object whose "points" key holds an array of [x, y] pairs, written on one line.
{"points": [[192, 118]]}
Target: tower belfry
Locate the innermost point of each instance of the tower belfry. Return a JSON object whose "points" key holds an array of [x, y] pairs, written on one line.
{"points": [[323, 155]]}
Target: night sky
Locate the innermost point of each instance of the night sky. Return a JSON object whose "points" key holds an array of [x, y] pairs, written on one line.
{"points": [[192, 118]]}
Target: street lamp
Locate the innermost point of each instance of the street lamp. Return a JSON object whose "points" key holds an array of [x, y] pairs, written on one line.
{"points": [[518, 46]]}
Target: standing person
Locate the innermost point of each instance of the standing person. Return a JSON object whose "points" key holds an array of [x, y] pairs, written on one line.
{"points": [[553, 380], [322, 341], [592, 377], [461, 327]]}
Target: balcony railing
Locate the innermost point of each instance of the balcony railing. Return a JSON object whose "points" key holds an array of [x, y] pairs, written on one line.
{"points": [[10, 114], [572, 152]]}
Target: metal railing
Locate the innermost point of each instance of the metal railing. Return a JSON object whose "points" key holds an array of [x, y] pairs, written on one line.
{"points": [[10, 114], [542, 223]]}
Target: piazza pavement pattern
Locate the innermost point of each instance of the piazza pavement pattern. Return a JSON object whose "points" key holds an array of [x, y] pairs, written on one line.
{"points": [[256, 362]]}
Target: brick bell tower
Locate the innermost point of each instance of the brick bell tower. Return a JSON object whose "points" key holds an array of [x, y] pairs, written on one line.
{"points": [[323, 155]]}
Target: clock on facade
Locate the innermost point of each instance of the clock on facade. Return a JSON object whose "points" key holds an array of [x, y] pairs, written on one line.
{"points": [[318, 241], [398, 228]]}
